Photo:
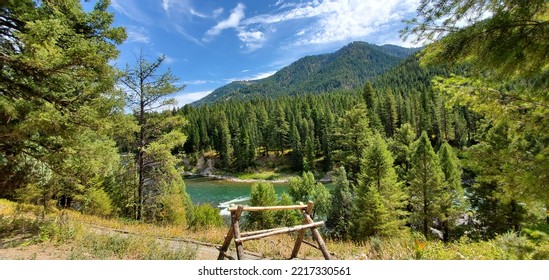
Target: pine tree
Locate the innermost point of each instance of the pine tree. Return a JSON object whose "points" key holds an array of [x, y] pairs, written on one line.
{"points": [[401, 147], [351, 136], [225, 148], [339, 220], [262, 194], [58, 106], [297, 153], [305, 188], [426, 181], [309, 163], [145, 92], [287, 217], [372, 106], [281, 130], [380, 199], [451, 200], [504, 45]]}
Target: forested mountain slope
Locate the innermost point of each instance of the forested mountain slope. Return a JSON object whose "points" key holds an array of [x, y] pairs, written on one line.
{"points": [[348, 68]]}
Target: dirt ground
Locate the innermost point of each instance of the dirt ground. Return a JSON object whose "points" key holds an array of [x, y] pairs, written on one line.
{"points": [[14, 248], [36, 252]]}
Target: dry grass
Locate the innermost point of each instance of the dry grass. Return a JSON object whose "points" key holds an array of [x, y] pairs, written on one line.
{"points": [[21, 225]]}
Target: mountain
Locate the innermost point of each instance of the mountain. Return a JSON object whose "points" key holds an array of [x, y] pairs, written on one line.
{"points": [[348, 68]]}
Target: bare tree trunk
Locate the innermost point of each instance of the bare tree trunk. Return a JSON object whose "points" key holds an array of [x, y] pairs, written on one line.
{"points": [[141, 146]]}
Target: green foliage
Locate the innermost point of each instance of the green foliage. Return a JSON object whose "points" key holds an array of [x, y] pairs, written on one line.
{"points": [[504, 45], [205, 216], [509, 42], [401, 147], [58, 103], [97, 202], [161, 194], [305, 189], [339, 220], [380, 200], [287, 217], [452, 204], [351, 136], [262, 194], [426, 181]]}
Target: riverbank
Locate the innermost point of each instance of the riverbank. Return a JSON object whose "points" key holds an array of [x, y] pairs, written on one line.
{"points": [[260, 177]]}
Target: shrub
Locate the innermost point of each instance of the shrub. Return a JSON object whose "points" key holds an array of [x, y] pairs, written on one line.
{"points": [[205, 216], [262, 194], [97, 202]]}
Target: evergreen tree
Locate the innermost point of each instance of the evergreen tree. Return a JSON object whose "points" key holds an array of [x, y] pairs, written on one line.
{"points": [[401, 147], [281, 130], [58, 108], [262, 194], [451, 198], [339, 218], [309, 163], [305, 188], [297, 153], [351, 137], [145, 92], [225, 149], [426, 181], [326, 139], [372, 106], [501, 84], [380, 199]]}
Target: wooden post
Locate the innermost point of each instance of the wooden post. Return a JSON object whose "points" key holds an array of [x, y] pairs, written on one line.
{"points": [[318, 238], [227, 242], [301, 234], [279, 231], [236, 225]]}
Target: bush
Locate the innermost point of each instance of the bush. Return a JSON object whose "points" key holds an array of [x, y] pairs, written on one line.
{"points": [[205, 216], [172, 210], [97, 202], [262, 194]]}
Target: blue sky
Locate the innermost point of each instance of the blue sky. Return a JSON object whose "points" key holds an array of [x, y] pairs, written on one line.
{"points": [[208, 44]]}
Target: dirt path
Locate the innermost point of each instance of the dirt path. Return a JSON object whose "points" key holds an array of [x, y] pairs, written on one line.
{"points": [[204, 251], [48, 251]]}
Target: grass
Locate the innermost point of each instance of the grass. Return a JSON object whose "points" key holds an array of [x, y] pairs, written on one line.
{"points": [[263, 175], [21, 225]]}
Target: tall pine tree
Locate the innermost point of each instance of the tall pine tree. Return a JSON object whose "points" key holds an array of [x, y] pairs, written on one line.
{"points": [[380, 199], [451, 199], [426, 181]]}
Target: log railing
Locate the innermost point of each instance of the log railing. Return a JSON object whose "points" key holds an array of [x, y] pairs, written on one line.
{"points": [[240, 237]]}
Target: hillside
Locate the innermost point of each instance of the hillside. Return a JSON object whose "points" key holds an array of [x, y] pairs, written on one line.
{"points": [[348, 68]]}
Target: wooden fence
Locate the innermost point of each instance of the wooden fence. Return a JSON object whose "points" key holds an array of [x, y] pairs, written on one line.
{"points": [[240, 237]]}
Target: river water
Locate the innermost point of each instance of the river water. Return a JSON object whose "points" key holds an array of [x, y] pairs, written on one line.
{"points": [[222, 192]]}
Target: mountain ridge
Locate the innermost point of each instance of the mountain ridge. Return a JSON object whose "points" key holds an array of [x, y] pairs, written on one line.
{"points": [[347, 68]]}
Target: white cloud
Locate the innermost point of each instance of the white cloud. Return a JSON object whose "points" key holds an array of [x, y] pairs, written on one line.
{"points": [[252, 39], [166, 5], [186, 98], [196, 82], [233, 21], [131, 10], [217, 12], [257, 76], [137, 35], [337, 20], [196, 13]]}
